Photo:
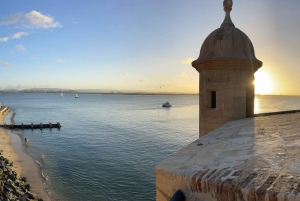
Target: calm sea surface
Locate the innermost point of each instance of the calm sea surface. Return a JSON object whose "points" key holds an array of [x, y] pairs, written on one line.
{"points": [[109, 144]]}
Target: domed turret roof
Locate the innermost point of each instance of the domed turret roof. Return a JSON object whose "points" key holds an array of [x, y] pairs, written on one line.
{"points": [[227, 41], [227, 44]]}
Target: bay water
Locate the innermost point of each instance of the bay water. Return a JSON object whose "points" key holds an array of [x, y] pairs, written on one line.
{"points": [[109, 145]]}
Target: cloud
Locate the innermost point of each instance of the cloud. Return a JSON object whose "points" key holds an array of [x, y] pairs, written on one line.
{"points": [[59, 60], [37, 20], [142, 81], [74, 21], [5, 64], [19, 34], [32, 19], [20, 47], [125, 74], [12, 19], [187, 61], [183, 74], [16, 35], [4, 39]]}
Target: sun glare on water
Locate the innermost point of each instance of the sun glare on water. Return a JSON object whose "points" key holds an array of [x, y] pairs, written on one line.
{"points": [[263, 83]]}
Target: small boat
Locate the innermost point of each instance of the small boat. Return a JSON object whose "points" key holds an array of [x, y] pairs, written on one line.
{"points": [[61, 94], [76, 96], [166, 104]]}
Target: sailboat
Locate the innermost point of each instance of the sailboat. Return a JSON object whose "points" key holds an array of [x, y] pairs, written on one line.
{"points": [[61, 94], [76, 96]]}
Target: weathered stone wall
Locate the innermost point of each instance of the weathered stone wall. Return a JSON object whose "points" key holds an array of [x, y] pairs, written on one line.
{"points": [[252, 159], [235, 97], [229, 185], [168, 183]]}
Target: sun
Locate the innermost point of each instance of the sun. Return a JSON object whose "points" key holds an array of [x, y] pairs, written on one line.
{"points": [[263, 83]]}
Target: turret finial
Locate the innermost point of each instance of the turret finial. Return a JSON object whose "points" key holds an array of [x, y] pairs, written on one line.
{"points": [[227, 8]]}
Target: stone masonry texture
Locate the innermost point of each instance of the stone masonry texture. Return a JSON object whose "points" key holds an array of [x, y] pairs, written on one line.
{"points": [[250, 159]]}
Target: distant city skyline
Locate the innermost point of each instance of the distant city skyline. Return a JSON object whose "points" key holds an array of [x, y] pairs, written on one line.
{"points": [[139, 45]]}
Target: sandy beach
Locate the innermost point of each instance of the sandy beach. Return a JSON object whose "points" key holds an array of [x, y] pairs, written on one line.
{"points": [[6, 147], [12, 148]]}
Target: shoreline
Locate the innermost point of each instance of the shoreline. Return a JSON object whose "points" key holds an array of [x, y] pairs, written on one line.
{"points": [[14, 150], [6, 146]]}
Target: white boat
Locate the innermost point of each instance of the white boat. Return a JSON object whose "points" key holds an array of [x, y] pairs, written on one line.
{"points": [[166, 104], [61, 94], [76, 96]]}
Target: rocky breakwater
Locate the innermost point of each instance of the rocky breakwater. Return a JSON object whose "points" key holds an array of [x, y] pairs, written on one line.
{"points": [[12, 187]]}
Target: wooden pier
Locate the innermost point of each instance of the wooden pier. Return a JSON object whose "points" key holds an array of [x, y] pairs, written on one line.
{"points": [[32, 126]]}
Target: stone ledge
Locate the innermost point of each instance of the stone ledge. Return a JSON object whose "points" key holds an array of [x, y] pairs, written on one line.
{"points": [[275, 113], [250, 159], [251, 65]]}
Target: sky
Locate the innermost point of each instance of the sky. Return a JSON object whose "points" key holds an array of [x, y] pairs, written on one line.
{"points": [[139, 45]]}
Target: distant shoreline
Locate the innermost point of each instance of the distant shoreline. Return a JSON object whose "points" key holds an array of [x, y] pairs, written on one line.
{"points": [[103, 93], [111, 93]]}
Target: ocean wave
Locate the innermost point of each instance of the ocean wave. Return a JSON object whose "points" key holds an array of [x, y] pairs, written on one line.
{"points": [[46, 181]]}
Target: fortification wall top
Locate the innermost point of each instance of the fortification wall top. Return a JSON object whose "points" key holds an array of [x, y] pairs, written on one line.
{"points": [[248, 159]]}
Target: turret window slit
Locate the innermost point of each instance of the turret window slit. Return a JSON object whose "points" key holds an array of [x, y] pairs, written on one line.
{"points": [[213, 99]]}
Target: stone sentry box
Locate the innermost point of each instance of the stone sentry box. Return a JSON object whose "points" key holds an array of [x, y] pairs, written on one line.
{"points": [[226, 64]]}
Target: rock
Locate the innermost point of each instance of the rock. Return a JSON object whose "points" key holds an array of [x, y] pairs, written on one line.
{"points": [[14, 188], [12, 177], [30, 195], [9, 195], [8, 182], [7, 188], [28, 186], [18, 193], [24, 190], [11, 186], [23, 179]]}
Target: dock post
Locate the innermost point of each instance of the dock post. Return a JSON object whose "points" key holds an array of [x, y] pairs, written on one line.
{"points": [[31, 125], [50, 124], [41, 125], [12, 125], [4, 125], [22, 125]]}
